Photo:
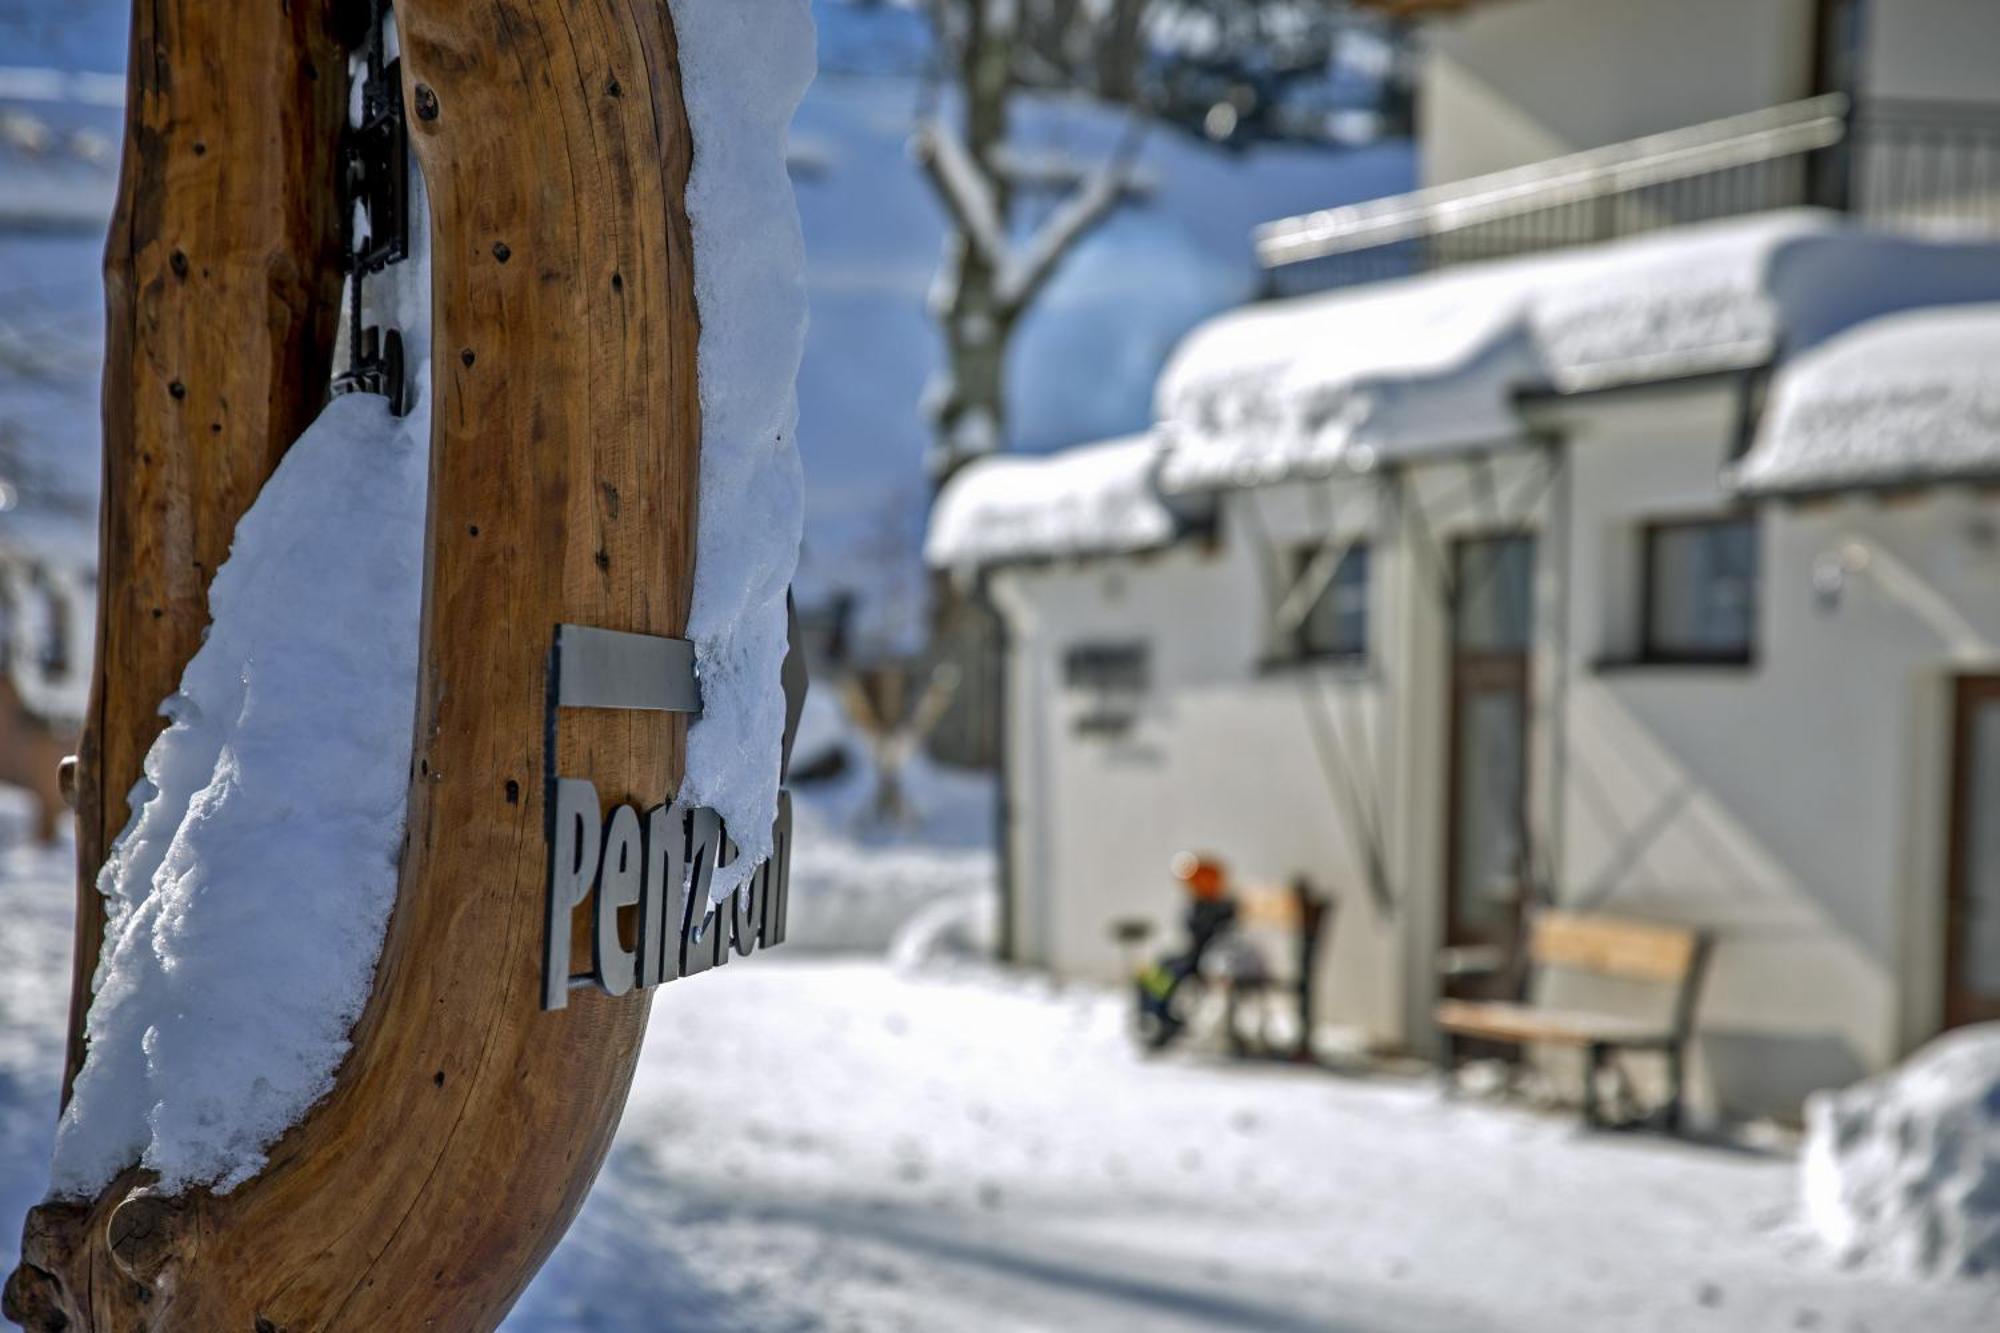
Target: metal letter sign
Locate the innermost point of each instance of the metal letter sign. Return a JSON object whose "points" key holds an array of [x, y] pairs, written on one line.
{"points": [[660, 862]]}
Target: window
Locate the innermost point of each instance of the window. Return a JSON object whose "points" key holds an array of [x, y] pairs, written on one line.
{"points": [[1493, 594], [1111, 668], [1114, 677], [1701, 590], [1336, 624]]}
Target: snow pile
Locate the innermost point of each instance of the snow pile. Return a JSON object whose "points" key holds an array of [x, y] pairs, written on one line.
{"points": [[958, 930], [857, 882], [1907, 398], [1435, 362], [849, 896], [1089, 501], [1904, 1170], [248, 895], [744, 66]]}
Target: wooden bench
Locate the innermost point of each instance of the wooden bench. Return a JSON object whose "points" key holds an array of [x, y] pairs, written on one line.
{"points": [[1668, 955]]}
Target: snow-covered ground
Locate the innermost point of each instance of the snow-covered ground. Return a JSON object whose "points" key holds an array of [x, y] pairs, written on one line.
{"points": [[840, 1146], [828, 1142], [37, 904]]}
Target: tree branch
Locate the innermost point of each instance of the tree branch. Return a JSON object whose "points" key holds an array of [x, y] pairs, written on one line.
{"points": [[1026, 274], [966, 194]]}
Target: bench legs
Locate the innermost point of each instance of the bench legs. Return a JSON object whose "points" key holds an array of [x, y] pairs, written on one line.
{"points": [[1594, 1058], [1676, 1074], [1598, 1055], [1597, 1058]]}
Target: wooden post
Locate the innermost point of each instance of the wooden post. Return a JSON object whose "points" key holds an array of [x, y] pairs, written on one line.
{"points": [[466, 1125], [222, 293]]}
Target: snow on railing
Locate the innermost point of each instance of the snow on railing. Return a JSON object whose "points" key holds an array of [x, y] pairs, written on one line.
{"points": [[1751, 139]]}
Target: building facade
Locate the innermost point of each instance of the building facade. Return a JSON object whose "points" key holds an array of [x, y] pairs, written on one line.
{"points": [[1657, 578]]}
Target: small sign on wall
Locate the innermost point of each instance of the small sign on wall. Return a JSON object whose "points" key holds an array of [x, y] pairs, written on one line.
{"points": [[658, 863]]}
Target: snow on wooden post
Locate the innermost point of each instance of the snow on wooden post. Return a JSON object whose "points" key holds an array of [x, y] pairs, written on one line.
{"points": [[466, 1125], [222, 290]]}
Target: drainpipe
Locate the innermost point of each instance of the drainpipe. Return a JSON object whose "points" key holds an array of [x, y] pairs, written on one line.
{"points": [[1562, 519], [1006, 946]]}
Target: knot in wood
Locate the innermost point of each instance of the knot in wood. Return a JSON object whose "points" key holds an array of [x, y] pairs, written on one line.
{"points": [[142, 1235]]}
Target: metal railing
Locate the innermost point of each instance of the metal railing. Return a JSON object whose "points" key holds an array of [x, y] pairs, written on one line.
{"points": [[1928, 165], [1905, 163]]}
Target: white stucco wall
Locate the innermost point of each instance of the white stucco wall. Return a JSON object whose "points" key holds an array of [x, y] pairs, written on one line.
{"points": [[1508, 84], [1947, 49], [1236, 757], [1794, 807], [1219, 760]]}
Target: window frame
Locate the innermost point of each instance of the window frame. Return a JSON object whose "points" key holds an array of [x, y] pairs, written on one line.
{"points": [[1654, 653], [1107, 682], [1295, 648]]}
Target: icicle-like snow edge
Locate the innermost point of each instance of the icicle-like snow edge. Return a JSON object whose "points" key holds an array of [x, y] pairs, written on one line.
{"points": [[247, 898], [745, 65]]}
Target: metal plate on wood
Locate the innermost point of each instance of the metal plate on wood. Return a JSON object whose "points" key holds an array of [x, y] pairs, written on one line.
{"points": [[650, 869], [602, 668]]}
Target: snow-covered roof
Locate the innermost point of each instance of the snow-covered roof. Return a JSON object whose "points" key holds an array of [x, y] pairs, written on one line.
{"points": [[1906, 398], [1095, 500], [1430, 363], [1412, 368]]}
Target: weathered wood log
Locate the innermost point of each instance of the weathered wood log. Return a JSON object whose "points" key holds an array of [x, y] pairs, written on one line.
{"points": [[222, 294], [466, 1126]]}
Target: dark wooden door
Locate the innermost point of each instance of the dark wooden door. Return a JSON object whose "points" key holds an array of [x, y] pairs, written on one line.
{"points": [[1487, 850], [1972, 912]]}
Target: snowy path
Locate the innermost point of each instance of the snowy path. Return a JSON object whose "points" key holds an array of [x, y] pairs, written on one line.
{"points": [[834, 1145], [823, 1143]]}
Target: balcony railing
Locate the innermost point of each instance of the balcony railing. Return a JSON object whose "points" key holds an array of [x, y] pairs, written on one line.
{"points": [[1906, 164], [1928, 165]]}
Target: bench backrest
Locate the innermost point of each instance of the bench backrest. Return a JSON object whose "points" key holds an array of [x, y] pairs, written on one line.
{"points": [[1640, 950]]}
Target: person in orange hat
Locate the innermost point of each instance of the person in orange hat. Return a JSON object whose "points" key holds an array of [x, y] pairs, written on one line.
{"points": [[1211, 912], [1204, 877]]}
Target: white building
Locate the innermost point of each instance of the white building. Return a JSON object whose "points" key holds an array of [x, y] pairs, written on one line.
{"points": [[1658, 577], [1507, 83]]}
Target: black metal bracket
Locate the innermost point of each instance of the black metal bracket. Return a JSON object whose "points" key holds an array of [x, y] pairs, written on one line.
{"points": [[375, 193], [377, 367], [376, 170]]}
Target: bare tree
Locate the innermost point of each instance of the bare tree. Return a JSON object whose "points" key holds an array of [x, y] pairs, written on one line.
{"points": [[895, 705], [1150, 56], [991, 275]]}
